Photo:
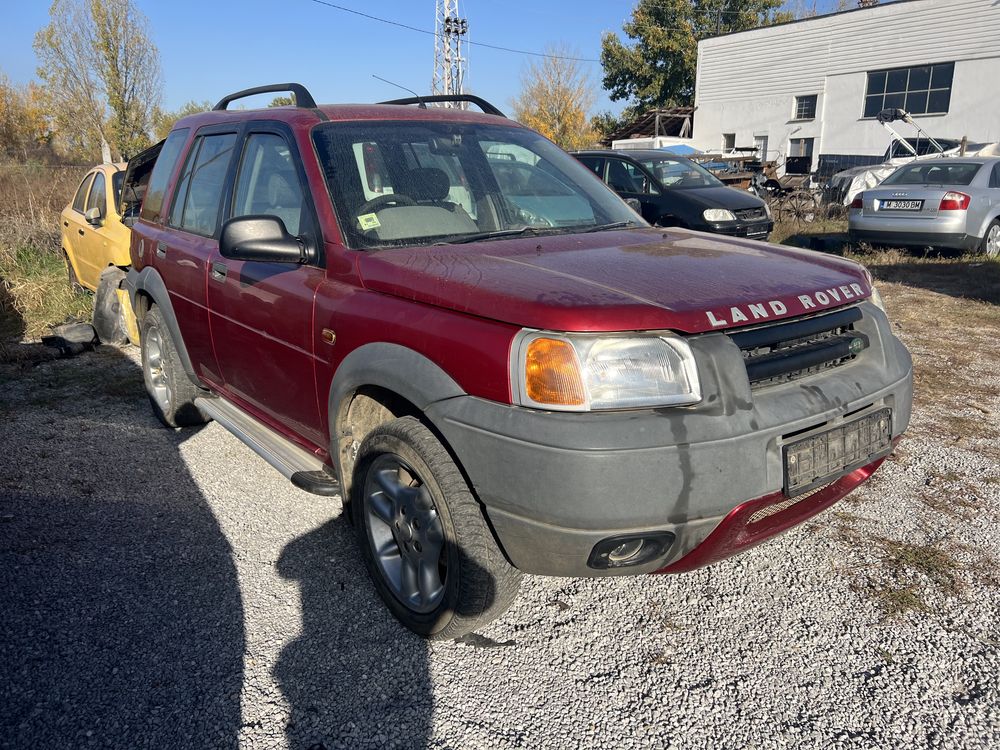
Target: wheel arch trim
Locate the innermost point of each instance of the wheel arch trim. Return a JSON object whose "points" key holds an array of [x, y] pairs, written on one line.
{"points": [[150, 283]]}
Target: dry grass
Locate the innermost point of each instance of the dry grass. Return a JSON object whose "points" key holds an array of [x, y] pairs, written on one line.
{"points": [[34, 293]]}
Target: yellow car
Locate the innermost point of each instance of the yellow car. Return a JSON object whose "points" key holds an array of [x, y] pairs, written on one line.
{"points": [[96, 247]]}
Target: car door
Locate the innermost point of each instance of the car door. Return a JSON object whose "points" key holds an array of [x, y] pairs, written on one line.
{"points": [[631, 181], [74, 230], [185, 243], [261, 313], [93, 246]]}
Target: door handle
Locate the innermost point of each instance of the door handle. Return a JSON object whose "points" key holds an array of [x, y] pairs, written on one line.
{"points": [[161, 249], [219, 271], [65, 223], [79, 232]]}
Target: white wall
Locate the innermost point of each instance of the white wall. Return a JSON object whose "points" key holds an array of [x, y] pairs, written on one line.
{"points": [[747, 82]]}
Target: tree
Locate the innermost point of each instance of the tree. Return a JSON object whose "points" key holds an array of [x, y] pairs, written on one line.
{"points": [[556, 95], [25, 128], [281, 101], [658, 69], [604, 124], [101, 74], [163, 121]]}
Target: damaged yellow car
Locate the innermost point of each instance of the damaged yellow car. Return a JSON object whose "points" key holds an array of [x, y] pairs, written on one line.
{"points": [[95, 244]]}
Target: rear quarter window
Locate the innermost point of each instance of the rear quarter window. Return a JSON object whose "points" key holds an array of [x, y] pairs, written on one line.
{"points": [[166, 162]]}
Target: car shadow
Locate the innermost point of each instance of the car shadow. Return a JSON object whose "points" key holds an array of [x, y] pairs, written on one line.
{"points": [[972, 279], [122, 619]]}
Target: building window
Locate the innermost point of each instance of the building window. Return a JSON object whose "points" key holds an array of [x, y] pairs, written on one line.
{"points": [[760, 144], [805, 107], [728, 142], [800, 156], [925, 90]]}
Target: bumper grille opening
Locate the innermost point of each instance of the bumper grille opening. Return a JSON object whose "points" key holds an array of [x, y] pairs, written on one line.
{"points": [[769, 510], [751, 214], [784, 352]]}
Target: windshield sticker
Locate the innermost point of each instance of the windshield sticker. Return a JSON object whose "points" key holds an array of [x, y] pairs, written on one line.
{"points": [[369, 221]]}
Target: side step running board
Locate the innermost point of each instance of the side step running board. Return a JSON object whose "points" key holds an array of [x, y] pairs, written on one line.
{"points": [[301, 467]]}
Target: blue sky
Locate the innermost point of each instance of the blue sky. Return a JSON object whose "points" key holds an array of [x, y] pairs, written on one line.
{"points": [[209, 48]]}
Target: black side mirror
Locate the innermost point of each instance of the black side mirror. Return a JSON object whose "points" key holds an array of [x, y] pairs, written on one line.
{"points": [[260, 238], [93, 216]]}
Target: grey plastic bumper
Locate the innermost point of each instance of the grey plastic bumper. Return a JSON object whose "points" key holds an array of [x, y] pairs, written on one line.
{"points": [[554, 484]]}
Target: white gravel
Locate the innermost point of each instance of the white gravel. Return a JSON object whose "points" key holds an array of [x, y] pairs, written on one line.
{"points": [[163, 589]]}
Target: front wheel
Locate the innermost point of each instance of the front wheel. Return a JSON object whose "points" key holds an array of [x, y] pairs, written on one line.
{"points": [[991, 240], [423, 536]]}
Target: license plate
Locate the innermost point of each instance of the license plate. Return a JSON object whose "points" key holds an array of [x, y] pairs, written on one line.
{"points": [[900, 205], [819, 459]]}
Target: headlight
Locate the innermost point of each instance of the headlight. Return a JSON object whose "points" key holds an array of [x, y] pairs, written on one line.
{"points": [[767, 210], [585, 372], [718, 214]]}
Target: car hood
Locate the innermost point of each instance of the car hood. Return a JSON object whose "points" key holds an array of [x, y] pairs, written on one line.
{"points": [[715, 197], [640, 279]]}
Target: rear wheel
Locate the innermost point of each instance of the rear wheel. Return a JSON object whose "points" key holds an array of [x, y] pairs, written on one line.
{"points": [[74, 282], [109, 316], [171, 392], [423, 536], [990, 246]]}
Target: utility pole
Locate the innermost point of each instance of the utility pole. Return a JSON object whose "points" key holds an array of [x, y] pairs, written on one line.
{"points": [[449, 61]]}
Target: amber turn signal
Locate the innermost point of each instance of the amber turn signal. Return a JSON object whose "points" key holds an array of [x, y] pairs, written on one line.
{"points": [[552, 373]]}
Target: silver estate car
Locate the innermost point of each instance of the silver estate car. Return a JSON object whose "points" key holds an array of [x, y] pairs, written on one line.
{"points": [[952, 202]]}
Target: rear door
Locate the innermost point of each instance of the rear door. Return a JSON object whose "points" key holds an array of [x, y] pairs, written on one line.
{"points": [[185, 239], [631, 181], [262, 313], [74, 230]]}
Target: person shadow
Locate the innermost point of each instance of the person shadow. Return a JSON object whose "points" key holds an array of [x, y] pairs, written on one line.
{"points": [[355, 677], [122, 619]]}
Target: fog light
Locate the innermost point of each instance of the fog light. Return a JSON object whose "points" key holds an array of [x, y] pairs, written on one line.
{"points": [[630, 549]]}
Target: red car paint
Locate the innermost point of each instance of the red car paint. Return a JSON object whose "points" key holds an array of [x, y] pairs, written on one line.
{"points": [[737, 532]]}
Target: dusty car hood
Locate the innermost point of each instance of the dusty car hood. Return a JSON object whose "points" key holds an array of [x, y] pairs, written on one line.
{"points": [[640, 279]]}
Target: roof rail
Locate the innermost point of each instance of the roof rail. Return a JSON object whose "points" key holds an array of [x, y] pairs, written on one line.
{"points": [[302, 96], [471, 98]]}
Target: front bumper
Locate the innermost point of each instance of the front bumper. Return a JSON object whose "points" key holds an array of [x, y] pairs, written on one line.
{"points": [[754, 230], [555, 484]]}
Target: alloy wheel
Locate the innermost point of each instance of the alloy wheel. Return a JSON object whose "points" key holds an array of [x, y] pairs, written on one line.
{"points": [[154, 368]]}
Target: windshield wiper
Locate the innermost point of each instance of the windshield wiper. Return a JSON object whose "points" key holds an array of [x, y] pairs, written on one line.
{"points": [[613, 225], [463, 238]]}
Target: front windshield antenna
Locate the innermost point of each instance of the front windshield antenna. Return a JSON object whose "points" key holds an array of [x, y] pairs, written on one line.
{"points": [[422, 105]]}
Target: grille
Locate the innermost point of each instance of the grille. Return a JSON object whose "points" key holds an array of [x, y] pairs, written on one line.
{"points": [[751, 214], [770, 510], [783, 352]]}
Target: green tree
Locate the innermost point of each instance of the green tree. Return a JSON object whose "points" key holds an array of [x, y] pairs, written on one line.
{"points": [[556, 95], [657, 69], [101, 74], [281, 101], [163, 121], [604, 124]]}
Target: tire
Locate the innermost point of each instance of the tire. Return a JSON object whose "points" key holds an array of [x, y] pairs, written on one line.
{"points": [[71, 277], [411, 502], [170, 390], [108, 314], [990, 246]]}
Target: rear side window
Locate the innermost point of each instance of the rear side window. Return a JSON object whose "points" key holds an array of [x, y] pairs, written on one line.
{"points": [[267, 183], [198, 197], [81, 194], [995, 177], [98, 195], [152, 205], [594, 164]]}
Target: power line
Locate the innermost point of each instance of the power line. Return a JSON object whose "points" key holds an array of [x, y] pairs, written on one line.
{"points": [[431, 33]]}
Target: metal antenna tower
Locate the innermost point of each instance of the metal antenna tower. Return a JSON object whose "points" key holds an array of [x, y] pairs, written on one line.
{"points": [[449, 62]]}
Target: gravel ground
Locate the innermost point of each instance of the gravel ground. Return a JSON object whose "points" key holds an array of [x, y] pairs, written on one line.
{"points": [[163, 589]]}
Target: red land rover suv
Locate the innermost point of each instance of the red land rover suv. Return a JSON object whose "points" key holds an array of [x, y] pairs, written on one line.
{"points": [[499, 366]]}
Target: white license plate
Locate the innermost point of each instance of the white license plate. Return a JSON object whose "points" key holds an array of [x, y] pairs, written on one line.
{"points": [[901, 205]]}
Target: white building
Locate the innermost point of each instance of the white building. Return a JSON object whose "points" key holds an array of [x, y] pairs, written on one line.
{"points": [[811, 88]]}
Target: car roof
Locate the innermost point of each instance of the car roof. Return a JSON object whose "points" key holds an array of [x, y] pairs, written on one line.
{"points": [[952, 160], [307, 117]]}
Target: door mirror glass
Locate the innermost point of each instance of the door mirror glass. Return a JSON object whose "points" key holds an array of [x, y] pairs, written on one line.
{"points": [[260, 238], [93, 216]]}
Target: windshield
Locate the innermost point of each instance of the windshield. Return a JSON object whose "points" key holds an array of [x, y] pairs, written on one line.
{"points": [[416, 182], [680, 173], [936, 172]]}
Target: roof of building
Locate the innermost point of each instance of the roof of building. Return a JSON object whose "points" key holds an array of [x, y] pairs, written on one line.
{"points": [[810, 19], [656, 122]]}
